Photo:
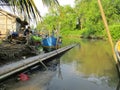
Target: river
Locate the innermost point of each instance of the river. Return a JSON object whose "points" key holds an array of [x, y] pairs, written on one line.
{"points": [[88, 66]]}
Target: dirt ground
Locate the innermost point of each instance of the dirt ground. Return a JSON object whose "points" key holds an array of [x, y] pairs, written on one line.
{"points": [[10, 52]]}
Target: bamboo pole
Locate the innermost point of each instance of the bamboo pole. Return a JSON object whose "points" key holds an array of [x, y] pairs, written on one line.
{"points": [[58, 32], [107, 30]]}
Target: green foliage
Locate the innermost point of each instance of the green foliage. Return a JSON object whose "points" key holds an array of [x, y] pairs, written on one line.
{"points": [[90, 19], [115, 32], [48, 23], [65, 17]]}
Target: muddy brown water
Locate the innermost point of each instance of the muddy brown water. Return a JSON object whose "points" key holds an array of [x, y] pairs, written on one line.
{"points": [[89, 66]]}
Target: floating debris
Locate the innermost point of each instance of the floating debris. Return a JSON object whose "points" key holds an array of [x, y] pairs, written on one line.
{"points": [[23, 77]]}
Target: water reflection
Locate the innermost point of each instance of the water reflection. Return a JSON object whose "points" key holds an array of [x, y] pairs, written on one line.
{"points": [[118, 86], [59, 69], [39, 78], [94, 62], [89, 66]]}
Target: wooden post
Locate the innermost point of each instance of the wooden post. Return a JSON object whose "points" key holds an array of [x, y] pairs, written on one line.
{"points": [[107, 30], [6, 24]]}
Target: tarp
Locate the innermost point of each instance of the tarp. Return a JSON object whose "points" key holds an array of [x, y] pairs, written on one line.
{"points": [[49, 41]]}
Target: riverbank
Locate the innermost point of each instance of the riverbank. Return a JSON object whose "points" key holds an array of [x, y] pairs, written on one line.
{"points": [[11, 52]]}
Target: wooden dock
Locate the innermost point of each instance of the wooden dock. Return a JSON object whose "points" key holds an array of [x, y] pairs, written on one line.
{"points": [[15, 67]]}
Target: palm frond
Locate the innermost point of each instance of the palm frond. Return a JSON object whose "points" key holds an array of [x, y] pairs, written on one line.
{"points": [[49, 3], [27, 7]]}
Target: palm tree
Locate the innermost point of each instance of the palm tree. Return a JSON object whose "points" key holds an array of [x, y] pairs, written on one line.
{"points": [[27, 8]]}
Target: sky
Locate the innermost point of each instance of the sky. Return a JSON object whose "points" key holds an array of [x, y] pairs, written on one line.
{"points": [[43, 10]]}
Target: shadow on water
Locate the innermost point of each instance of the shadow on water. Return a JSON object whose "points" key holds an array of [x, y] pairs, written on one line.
{"points": [[39, 77], [118, 86]]}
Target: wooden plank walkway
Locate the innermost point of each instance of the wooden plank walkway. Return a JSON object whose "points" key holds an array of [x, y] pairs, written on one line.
{"points": [[15, 67]]}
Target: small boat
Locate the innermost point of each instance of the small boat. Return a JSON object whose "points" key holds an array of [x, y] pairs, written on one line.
{"points": [[117, 50], [51, 43]]}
